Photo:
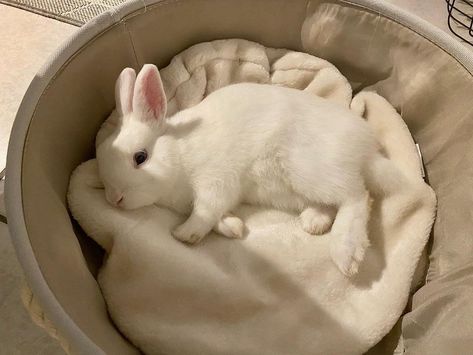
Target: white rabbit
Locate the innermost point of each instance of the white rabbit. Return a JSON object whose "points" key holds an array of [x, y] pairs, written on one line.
{"points": [[252, 143]]}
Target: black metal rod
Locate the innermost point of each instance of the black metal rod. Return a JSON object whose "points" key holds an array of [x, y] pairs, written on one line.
{"points": [[458, 17]]}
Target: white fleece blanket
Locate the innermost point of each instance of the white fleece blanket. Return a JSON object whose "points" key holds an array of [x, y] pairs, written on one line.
{"points": [[276, 291]]}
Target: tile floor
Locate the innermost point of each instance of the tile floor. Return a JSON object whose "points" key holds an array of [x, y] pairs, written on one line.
{"points": [[26, 40]]}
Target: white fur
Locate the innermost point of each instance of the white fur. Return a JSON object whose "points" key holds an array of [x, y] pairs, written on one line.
{"points": [[245, 143]]}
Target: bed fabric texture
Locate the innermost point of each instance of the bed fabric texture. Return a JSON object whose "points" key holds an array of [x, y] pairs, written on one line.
{"points": [[277, 291], [417, 68]]}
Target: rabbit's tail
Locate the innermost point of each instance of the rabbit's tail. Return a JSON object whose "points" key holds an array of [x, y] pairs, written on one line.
{"points": [[384, 177]]}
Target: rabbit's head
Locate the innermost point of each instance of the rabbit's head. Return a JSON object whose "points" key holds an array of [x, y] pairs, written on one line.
{"points": [[133, 152]]}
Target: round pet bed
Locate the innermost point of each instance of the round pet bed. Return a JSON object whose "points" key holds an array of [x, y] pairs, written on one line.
{"points": [[420, 70]]}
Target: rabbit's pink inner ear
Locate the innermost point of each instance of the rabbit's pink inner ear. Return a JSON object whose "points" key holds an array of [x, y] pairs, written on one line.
{"points": [[149, 98], [153, 93], [124, 91]]}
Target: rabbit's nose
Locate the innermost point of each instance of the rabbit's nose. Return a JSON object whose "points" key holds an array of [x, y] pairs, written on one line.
{"points": [[114, 197], [118, 200]]}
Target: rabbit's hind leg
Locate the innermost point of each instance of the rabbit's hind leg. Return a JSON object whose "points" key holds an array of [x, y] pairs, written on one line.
{"points": [[230, 226], [350, 233]]}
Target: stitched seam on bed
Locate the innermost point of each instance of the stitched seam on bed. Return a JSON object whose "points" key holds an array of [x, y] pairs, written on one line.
{"points": [[149, 8], [370, 44], [132, 43], [91, 41]]}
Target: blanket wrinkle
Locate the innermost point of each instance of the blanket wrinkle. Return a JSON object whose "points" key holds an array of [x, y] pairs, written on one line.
{"points": [[276, 291]]}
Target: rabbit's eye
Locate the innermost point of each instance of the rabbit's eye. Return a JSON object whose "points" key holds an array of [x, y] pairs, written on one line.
{"points": [[140, 157]]}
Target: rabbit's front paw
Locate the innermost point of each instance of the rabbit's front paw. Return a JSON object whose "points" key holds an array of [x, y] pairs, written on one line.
{"points": [[314, 221], [188, 233]]}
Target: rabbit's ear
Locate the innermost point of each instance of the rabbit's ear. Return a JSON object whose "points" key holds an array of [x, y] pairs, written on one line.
{"points": [[149, 100], [124, 91]]}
